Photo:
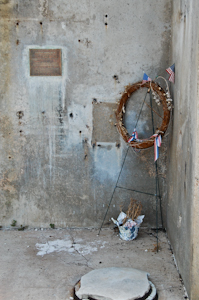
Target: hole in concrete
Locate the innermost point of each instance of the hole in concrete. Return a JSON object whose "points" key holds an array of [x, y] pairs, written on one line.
{"points": [[20, 131], [41, 23], [79, 41], [20, 114], [80, 132], [116, 77], [17, 23], [106, 24], [17, 42], [9, 157], [106, 16], [71, 115]]}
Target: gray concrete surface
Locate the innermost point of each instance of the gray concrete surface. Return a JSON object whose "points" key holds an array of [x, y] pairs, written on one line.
{"points": [[60, 152], [183, 192], [28, 272], [195, 210]]}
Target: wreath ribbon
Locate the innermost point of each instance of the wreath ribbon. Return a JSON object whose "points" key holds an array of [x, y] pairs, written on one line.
{"points": [[157, 144]]}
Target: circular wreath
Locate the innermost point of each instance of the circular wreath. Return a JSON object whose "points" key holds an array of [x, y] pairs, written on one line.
{"points": [[144, 143]]}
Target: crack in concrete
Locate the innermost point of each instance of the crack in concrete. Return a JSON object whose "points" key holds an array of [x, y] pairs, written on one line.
{"points": [[73, 246]]}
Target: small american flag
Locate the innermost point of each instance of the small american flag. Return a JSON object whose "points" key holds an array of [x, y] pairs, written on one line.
{"points": [[145, 78], [171, 71], [134, 136]]}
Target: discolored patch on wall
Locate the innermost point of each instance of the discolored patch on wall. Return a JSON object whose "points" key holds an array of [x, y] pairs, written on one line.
{"points": [[5, 7], [104, 129]]}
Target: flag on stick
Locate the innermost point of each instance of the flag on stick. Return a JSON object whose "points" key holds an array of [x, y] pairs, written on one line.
{"points": [[171, 71], [145, 78]]}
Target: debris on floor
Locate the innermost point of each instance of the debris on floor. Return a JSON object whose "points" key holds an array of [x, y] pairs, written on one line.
{"points": [[129, 223], [68, 246], [54, 275]]}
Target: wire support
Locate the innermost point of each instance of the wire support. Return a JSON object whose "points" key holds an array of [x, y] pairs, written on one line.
{"points": [[114, 190], [141, 192], [156, 183]]}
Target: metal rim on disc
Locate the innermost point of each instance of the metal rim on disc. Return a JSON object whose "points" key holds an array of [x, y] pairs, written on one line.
{"points": [[151, 295]]}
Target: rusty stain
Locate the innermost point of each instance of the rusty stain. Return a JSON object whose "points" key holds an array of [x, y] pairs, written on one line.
{"points": [[156, 248]]}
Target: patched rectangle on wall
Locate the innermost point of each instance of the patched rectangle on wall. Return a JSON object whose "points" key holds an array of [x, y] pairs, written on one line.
{"points": [[104, 129], [45, 62]]}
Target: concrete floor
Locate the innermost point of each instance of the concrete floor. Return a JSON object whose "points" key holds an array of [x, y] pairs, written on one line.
{"points": [[28, 272]]}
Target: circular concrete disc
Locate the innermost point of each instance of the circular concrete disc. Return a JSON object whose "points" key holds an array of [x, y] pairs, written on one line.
{"points": [[114, 284]]}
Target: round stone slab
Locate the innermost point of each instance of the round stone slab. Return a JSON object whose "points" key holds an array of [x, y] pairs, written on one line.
{"points": [[114, 284]]}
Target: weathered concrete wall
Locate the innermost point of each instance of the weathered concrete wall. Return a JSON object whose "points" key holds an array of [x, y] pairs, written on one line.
{"points": [[195, 211], [182, 217], [60, 152]]}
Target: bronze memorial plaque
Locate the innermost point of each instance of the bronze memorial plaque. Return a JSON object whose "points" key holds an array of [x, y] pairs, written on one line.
{"points": [[45, 62]]}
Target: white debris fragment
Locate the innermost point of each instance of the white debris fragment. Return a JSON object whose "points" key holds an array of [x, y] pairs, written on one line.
{"points": [[67, 245], [53, 246]]}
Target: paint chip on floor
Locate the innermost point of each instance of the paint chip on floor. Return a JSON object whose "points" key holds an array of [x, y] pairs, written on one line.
{"points": [[67, 245]]}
